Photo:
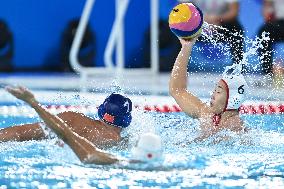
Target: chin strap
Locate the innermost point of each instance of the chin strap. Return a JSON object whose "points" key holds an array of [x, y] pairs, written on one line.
{"points": [[216, 119]]}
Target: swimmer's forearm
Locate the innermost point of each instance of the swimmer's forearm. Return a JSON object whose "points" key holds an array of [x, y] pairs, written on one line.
{"points": [[88, 152], [178, 78], [58, 126], [84, 149], [21, 133], [52, 121]]}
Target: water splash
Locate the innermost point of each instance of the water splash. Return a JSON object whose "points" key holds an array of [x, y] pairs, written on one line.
{"points": [[252, 49], [223, 43], [141, 123], [211, 34], [115, 87]]}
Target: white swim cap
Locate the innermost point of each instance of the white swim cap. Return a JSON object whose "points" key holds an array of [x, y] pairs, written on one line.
{"points": [[237, 89], [149, 148]]}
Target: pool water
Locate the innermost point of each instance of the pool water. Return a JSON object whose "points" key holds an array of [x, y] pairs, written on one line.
{"points": [[254, 160]]}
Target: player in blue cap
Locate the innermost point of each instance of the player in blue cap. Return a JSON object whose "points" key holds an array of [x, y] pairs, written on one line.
{"points": [[114, 115], [116, 110]]}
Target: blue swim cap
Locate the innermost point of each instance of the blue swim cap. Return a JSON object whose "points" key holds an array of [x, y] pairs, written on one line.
{"points": [[116, 110]]}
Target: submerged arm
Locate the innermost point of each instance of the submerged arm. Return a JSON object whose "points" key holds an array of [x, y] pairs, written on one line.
{"points": [[84, 149]]}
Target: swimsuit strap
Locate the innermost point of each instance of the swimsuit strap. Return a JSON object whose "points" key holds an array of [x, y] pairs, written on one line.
{"points": [[216, 119]]}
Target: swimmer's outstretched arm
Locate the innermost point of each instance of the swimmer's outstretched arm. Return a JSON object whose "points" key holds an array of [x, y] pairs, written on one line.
{"points": [[84, 149], [189, 103]]}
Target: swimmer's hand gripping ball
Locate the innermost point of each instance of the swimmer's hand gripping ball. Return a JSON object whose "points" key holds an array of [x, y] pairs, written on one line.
{"points": [[186, 20]]}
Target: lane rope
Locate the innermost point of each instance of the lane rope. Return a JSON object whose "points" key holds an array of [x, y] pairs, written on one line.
{"points": [[262, 108]]}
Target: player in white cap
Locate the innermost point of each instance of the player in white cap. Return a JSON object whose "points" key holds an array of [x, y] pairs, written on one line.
{"points": [[228, 95], [148, 149]]}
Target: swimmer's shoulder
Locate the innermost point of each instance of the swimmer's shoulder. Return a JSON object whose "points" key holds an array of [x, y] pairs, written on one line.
{"points": [[236, 124], [70, 114], [74, 114], [78, 117]]}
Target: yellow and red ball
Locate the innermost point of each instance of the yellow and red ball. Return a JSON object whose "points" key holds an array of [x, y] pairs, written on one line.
{"points": [[186, 20]]}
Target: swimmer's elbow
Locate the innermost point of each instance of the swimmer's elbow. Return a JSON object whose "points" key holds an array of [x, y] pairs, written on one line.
{"points": [[175, 92], [174, 89]]}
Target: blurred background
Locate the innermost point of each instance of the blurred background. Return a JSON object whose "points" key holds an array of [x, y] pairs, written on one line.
{"points": [[36, 35]]}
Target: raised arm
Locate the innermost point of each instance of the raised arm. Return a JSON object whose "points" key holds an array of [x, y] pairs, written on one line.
{"points": [[84, 149], [189, 103]]}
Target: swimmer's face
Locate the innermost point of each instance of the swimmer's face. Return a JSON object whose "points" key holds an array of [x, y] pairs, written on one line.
{"points": [[218, 98]]}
